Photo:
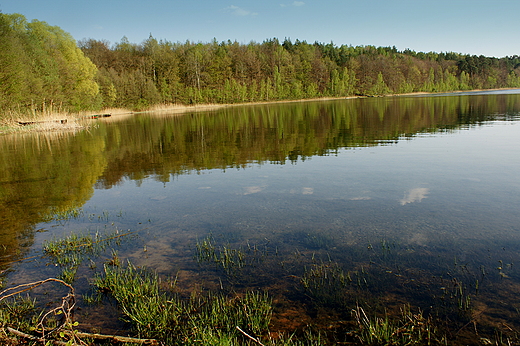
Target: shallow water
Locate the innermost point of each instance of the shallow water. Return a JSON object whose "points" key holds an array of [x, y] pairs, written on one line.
{"points": [[415, 198]]}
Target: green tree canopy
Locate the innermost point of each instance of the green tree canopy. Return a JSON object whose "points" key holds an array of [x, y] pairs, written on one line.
{"points": [[41, 64]]}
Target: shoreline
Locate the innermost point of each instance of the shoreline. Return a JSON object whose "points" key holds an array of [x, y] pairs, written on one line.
{"points": [[77, 121], [179, 108]]}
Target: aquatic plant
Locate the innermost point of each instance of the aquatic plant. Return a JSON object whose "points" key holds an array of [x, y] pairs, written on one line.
{"points": [[408, 329], [224, 256], [19, 312], [317, 240], [153, 309], [61, 215], [92, 298], [69, 252], [137, 293], [157, 314], [326, 282]]}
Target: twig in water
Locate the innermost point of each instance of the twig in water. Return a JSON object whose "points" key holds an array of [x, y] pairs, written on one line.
{"points": [[27, 287], [66, 308], [249, 336]]}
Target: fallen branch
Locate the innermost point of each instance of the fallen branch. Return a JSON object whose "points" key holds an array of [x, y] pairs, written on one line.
{"points": [[124, 339], [27, 287], [65, 309], [35, 338], [113, 338]]}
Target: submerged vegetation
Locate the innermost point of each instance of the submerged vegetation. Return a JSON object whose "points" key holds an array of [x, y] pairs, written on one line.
{"points": [[42, 67], [70, 252], [211, 318], [156, 312]]}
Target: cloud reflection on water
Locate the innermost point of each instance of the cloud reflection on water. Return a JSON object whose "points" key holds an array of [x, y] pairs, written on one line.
{"points": [[253, 189], [415, 195], [307, 190]]}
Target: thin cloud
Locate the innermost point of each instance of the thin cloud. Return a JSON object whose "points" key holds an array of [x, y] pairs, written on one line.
{"points": [[238, 11]]}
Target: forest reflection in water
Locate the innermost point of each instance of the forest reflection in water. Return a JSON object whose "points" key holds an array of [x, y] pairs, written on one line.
{"points": [[394, 201]]}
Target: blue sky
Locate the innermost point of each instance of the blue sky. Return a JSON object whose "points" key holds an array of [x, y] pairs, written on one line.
{"points": [[487, 27]]}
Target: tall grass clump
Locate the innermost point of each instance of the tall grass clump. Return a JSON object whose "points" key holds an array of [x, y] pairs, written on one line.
{"points": [[137, 292], [63, 215], [326, 282], [19, 312], [408, 329], [199, 319]]}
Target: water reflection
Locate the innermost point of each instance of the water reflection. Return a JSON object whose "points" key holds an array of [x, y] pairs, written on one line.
{"points": [[415, 195], [236, 137], [41, 174], [253, 189], [391, 191]]}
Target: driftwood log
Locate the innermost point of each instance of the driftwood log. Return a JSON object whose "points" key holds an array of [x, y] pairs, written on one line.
{"points": [[113, 338], [25, 123]]}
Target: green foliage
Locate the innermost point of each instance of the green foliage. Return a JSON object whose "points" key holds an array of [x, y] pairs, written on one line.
{"points": [[380, 87], [327, 283], [229, 259], [12, 73], [409, 329], [19, 312], [155, 313], [71, 251], [513, 80], [227, 72], [41, 64]]}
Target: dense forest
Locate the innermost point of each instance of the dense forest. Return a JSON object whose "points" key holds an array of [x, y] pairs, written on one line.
{"points": [[41, 65]]}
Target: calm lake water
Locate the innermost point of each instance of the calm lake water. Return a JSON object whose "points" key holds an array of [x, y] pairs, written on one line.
{"points": [[384, 201]]}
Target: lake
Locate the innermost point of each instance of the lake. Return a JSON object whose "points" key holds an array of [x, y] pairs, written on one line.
{"points": [[386, 202]]}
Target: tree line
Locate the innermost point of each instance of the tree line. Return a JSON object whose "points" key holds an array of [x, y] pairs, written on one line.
{"points": [[41, 63]]}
